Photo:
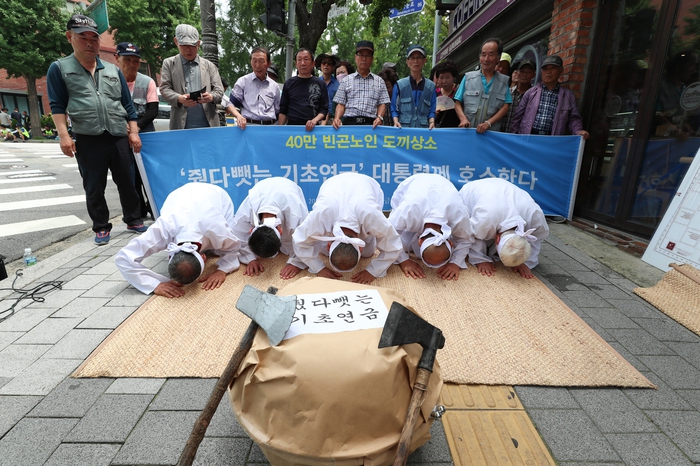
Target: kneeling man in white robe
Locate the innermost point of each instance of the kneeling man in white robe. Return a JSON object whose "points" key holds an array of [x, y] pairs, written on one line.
{"points": [[507, 223], [430, 216], [265, 222], [347, 222], [195, 218]]}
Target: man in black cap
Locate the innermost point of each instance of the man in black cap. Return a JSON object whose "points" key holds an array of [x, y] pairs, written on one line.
{"points": [[97, 98], [526, 71], [366, 103], [548, 108], [144, 95]]}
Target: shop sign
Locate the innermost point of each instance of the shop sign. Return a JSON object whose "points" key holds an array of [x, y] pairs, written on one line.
{"points": [[465, 11], [477, 13], [690, 98]]}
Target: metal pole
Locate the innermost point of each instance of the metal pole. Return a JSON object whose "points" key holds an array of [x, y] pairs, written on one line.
{"points": [[436, 34], [210, 45], [291, 18]]}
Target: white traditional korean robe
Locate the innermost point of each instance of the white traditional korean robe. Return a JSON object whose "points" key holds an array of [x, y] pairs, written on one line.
{"points": [[429, 198], [196, 212], [495, 206], [354, 201], [281, 197]]}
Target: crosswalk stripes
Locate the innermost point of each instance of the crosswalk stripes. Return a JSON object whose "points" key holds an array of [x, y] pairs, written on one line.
{"points": [[39, 225], [17, 205], [35, 189]]}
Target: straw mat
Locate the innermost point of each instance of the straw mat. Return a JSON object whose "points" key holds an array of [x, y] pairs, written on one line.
{"points": [[501, 330], [677, 295]]}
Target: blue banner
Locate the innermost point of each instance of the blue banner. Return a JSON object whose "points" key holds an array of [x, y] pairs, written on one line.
{"points": [[545, 166]]}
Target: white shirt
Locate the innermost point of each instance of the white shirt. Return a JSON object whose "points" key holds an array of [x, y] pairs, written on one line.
{"points": [[495, 206], [354, 201], [195, 212], [281, 197], [429, 198]]}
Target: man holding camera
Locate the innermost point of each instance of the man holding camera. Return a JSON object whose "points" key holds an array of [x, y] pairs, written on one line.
{"points": [[191, 84]]}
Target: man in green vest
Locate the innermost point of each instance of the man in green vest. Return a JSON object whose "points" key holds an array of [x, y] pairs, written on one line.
{"points": [[97, 98]]}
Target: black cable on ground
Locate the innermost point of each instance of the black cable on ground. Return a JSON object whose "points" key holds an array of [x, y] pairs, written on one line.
{"points": [[36, 294]]}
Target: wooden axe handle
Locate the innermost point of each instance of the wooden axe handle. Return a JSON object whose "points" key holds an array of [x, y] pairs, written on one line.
{"points": [[419, 391], [200, 427]]}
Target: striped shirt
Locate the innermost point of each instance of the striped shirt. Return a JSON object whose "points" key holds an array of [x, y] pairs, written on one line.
{"points": [[546, 110], [361, 96]]}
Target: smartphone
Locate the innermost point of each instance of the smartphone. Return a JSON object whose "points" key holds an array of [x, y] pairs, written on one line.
{"points": [[197, 94]]}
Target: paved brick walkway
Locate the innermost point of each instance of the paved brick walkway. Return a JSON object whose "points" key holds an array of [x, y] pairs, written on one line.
{"points": [[48, 418]]}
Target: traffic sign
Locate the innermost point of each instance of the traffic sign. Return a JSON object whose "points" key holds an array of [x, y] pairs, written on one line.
{"points": [[414, 6]]}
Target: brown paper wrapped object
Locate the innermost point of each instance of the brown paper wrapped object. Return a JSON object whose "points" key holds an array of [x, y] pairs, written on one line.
{"points": [[330, 399]]}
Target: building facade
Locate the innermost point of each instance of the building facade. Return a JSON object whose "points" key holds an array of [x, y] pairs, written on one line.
{"points": [[633, 65]]}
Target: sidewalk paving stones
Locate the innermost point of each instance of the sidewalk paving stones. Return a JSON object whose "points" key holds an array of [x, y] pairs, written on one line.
{"points": [[159, 438], [81, 307], [110, 419], [612, 411], [41, 377], [648, 450], [135, 386], [33, 440], [71, 398], [46, 417], [14, 408], [48, 332], [77, 344], [92, 454], [108, 317]]}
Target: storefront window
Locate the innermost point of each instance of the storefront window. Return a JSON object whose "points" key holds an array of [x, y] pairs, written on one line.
{"points": [[619, 93], [674, 136]]}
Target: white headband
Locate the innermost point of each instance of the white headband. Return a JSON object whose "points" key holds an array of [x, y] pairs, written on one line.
{"points": [[271, 222], [174, 248], [340, 237], [519, 231], [438, 239]]}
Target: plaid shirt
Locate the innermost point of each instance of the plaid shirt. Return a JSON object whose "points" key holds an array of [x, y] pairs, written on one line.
{"points": [[361, 96], [547, 110], [505, 126]]}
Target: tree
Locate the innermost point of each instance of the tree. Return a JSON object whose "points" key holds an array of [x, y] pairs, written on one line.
{"points": [[151, 24], [33, 35], [394, 37], [240, 30]]}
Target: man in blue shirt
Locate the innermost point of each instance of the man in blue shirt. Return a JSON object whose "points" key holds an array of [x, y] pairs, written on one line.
{"points": [[327, 62], [413, 98]]}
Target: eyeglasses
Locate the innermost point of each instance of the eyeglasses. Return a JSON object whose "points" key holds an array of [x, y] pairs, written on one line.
{"points": [[327, 62], [364, 55]]}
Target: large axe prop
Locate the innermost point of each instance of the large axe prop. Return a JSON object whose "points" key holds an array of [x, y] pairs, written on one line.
{"points": [[403, 327], [273, 314]]}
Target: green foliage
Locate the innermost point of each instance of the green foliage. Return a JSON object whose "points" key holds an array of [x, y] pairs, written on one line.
{"points": [[32, 36], [390, 44], [151, 24], [379, 10], [240, 30], [47, 120]]}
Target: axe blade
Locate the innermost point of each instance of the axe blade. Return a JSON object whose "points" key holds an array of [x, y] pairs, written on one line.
{"points": [[272, 313], [403, 327]]}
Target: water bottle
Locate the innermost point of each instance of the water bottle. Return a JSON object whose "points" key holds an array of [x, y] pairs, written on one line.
{"points": [[29, 258]]}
